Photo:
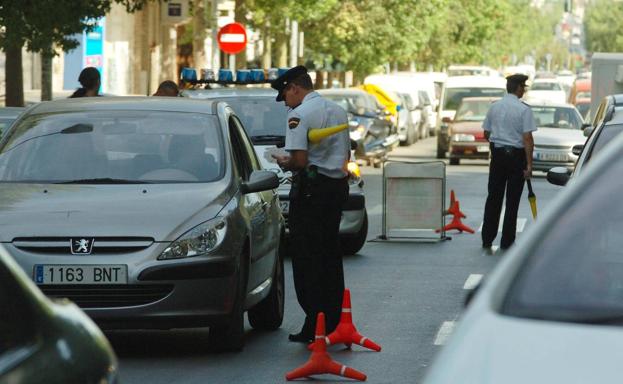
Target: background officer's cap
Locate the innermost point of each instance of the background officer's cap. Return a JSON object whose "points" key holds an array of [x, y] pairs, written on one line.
{"points": [[517, 78], [282, 81]]}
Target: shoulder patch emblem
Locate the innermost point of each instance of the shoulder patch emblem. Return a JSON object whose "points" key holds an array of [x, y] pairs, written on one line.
{"points": [[293, 122]]}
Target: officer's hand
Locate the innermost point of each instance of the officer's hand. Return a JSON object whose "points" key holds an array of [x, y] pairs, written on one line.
{"points": [[527, 173], [282, 160]]}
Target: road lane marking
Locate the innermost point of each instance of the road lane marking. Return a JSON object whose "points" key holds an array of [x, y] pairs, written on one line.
{"points": [[472, 281], [521, 224], [444, 332]]}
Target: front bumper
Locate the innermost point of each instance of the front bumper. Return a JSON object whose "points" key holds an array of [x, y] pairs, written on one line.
{"points": [[544, 160], [469, 150], [197, 291]]}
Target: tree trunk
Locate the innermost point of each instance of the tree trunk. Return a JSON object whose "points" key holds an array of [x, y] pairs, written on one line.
{"points": [[239, 17], [266, 54], [281, 41], [199, 29], [46, 75], [319, 79], [13, 75]]}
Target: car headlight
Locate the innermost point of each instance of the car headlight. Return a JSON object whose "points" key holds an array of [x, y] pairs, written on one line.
{"points": [[200, 240], [463, 137]]}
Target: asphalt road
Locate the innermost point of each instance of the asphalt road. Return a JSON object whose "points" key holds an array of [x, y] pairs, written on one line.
{"points": [[407, 297]]}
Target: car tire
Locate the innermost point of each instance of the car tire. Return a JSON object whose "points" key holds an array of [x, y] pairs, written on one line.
{"points": [[267, 315], [229, 337], [411, 135], [351, 244], [455, 161]]}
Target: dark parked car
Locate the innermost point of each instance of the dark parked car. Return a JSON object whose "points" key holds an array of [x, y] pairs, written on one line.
{"points": [[264, 119], [146, 212], [45, 341]]}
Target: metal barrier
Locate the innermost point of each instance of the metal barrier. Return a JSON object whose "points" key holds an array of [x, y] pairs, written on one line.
{"points": [[413, 200]]}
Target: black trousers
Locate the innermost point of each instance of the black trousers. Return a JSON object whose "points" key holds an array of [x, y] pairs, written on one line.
{"points": [[505, 174], [314, 220]]}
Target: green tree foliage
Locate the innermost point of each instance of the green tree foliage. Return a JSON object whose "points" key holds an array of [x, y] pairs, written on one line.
{"points": [[603, 24], [362, 35]]}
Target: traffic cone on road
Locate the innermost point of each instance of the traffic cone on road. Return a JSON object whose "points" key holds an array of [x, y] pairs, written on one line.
{"points": [[454, 210], [346, 332], [456, 220], [320, 362]]}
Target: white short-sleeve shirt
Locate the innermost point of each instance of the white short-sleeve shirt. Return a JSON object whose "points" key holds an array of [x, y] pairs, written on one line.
{"points": [[331, 154], [507, 120]]}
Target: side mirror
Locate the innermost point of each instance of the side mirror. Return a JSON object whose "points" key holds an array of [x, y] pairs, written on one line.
{"points": [[588, 130], [577, 149], [558, 176], [586, 125], [446, 120], [260, 181]]}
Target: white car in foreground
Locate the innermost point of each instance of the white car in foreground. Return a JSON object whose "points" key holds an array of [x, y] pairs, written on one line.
{"points": [[551, 311]]}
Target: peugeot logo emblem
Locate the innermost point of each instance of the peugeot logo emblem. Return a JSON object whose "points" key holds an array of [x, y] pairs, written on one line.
{"points": [[81, 246]]}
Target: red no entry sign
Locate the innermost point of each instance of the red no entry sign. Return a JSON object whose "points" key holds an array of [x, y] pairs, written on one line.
{"points": [[232, 38]]}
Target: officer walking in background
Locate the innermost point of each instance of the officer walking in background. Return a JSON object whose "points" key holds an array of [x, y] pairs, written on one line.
{"points": [[508, 127], [319, 190]]}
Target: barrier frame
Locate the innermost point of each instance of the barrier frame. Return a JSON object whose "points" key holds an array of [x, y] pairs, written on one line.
{"points": [[413, 234]]}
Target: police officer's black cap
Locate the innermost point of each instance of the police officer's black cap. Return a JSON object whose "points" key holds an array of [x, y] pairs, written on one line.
{"points": [[282, 81], [517, 78]]}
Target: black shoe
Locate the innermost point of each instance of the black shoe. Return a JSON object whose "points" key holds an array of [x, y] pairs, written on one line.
{"points": [[300, 338], [486, 246]]}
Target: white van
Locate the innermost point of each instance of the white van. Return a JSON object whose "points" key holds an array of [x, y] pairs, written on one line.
{"points": [[455, 89]]}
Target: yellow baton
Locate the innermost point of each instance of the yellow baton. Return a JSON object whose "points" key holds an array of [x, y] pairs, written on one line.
{"points": [[315, 135]]}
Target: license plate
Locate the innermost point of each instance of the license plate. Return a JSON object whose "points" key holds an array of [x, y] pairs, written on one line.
{"points": [[285, 206], [546, 156], [81, 274], [483, 148]]}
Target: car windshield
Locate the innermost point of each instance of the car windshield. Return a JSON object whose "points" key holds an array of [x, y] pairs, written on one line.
{"points": [[556, 117], [605, 136], [113, 147], [455, 95], [545, 86], [583, 109], [575, 270], [472, 110], [350, 102], [262, 117]]}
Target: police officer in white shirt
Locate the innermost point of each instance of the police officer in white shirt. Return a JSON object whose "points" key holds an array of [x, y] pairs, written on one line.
{"points": [[508, 127], [319, 190]]}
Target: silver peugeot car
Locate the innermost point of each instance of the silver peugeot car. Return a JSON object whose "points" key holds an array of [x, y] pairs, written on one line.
{"points": [[146, 212]]}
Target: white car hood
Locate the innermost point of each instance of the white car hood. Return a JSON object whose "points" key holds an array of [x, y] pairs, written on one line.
{"points": [[499, 349], [558, 136]]}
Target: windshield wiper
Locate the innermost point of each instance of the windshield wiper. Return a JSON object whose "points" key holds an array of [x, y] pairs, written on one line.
{"points": [[103, 180]]}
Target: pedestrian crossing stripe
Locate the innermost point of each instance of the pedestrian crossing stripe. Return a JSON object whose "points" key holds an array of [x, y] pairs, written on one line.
{"points": [[444, 332], [521, 224]]}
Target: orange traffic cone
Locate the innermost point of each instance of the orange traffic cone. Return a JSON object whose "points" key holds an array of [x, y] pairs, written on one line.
{"points": [[346, 332], [454, 210], [456, 220], [320, 362]]}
